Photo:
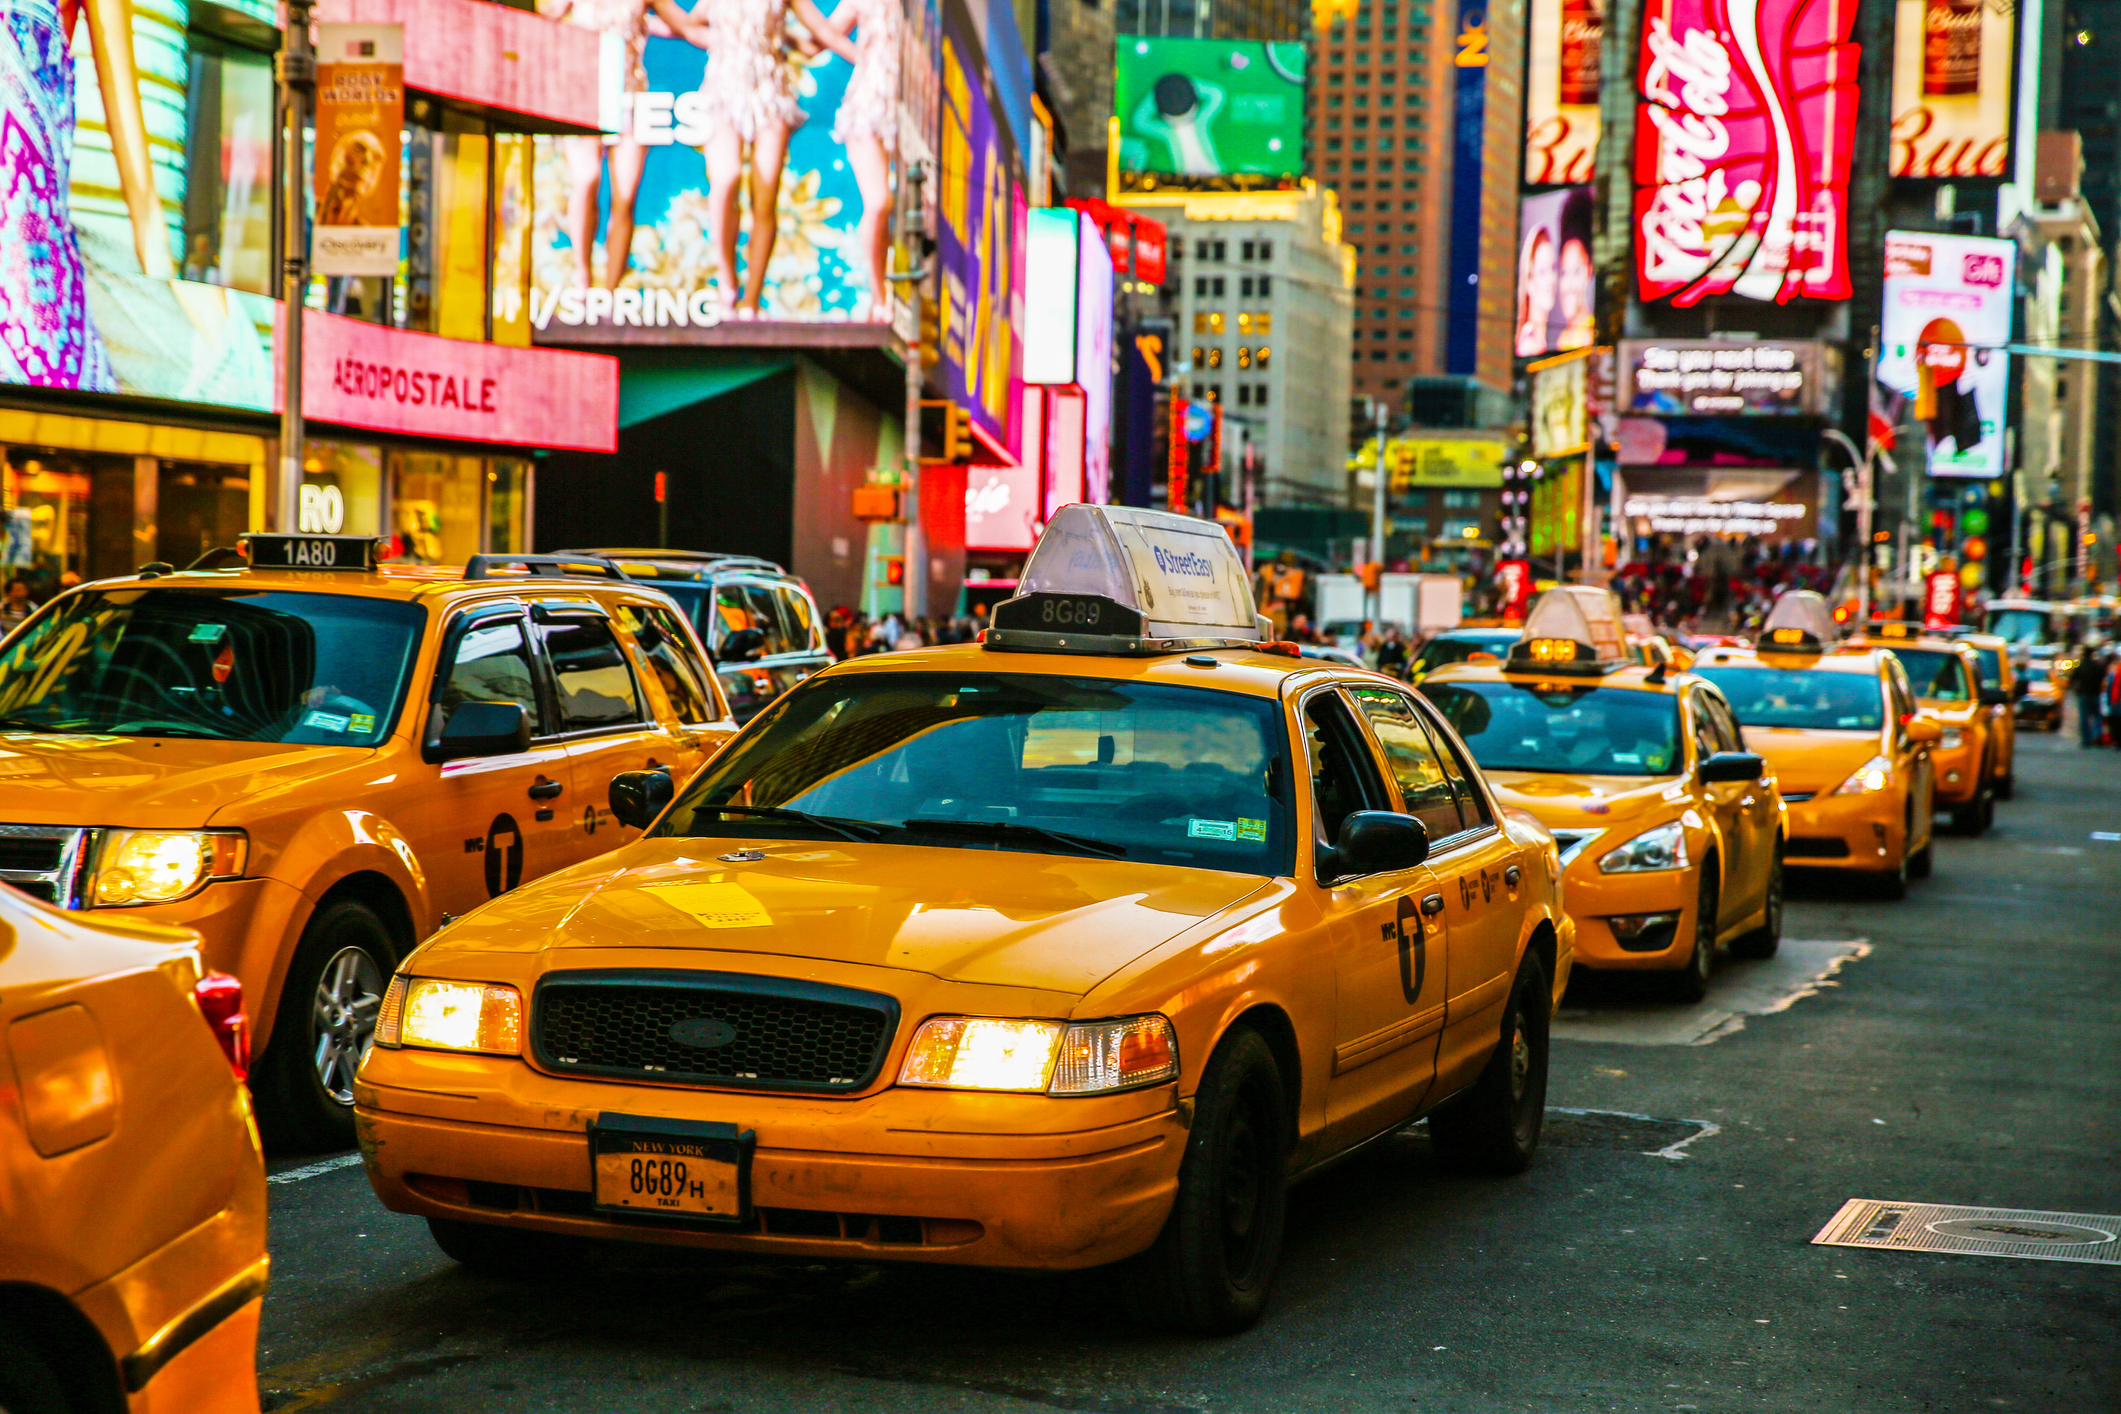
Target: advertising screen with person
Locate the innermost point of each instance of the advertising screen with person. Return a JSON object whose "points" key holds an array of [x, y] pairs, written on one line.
{"points": [[1947, 316], [1555, 289]]}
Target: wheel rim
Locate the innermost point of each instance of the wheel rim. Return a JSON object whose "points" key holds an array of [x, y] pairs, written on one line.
{"points": [[1774, 899], [1704, 931], [1527, 1092], [1520, 1064], [1244, 1189], [343, 1019]]}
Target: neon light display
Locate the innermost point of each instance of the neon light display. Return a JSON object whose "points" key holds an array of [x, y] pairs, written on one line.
{"points": [[1746, 117]]}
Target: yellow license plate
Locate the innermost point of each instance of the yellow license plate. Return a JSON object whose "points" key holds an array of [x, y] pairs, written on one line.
{"points": [[672, 1168]]}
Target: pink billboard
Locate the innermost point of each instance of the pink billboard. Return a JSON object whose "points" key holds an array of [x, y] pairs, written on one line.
{"points": [[1746, 118], [492, 56], [366, 375]]}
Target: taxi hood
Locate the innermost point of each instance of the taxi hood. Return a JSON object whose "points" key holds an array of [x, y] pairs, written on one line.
{"points": [[1565, 801], [177, 783], [1060, 923], [1804, 759]]}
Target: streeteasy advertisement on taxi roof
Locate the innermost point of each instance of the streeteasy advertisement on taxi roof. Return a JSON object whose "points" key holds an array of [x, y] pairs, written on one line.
{"points": [[1182, 574]]}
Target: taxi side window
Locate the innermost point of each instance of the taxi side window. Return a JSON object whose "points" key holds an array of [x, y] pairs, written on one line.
{"points": [[1472, 805], [1726, 725], [1343, 778], [1707, 740], [663, 644], [1423, 785], [594, 686], [492, 664], [1902, 699]]}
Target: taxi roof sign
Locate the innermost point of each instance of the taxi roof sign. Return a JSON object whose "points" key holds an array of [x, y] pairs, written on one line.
{"points": [[1572, 628], [1800, 622], [310, 552], [1118, 579]]}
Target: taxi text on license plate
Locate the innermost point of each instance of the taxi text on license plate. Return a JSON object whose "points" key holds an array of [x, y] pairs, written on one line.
{"points": [[671, 1167]]}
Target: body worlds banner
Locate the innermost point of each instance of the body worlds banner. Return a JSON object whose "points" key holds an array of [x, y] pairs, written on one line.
{"points": [[360, 115], [1947, 317]]}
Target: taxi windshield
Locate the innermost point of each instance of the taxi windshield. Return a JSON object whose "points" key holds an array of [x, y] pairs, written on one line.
{"points": [[1801, 697], [2021, 625], [1935, 674], [1012, 761], [1585, 730], [227, 664], [1442, 652]]}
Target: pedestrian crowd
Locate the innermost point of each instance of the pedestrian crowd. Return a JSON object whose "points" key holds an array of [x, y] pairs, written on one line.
{"points": [[851, 633], [2095, 682]]}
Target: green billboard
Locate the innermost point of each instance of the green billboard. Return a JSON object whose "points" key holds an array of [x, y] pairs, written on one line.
{"points": [[1209, 114]]}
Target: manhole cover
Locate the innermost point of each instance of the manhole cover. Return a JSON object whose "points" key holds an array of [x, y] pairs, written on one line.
{"points": [[1976, 1232]]}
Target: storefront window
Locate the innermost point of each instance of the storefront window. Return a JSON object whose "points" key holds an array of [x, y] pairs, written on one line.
{"points": [[434, 506], [228, 149], [47, 521], [200, 506], [342, 489], [507, 506]]}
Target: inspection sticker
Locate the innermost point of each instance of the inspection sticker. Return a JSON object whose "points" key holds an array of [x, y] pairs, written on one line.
{"points": [[206, 633], [1254, 830], [325, 721], [1212, 829], [362, 722]]}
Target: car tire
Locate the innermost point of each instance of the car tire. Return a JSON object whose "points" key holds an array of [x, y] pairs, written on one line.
{"points": [[29, 1384], [1690, 981], [2007, 785], [507, 1253], [326, 1019], [1494, 1127], [1974, 817], [1762, 942], [1208, 1271], [1923, 861]]}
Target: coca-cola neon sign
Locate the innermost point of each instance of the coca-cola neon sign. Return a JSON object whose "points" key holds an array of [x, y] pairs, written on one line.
{"points": [[1747, 113]]}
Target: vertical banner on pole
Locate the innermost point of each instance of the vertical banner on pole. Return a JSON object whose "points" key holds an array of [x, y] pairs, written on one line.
{"points": [[1181, 453], [360, 114]]}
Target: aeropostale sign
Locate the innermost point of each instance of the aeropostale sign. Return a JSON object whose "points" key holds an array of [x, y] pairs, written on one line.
{"points": [[357, 374]]}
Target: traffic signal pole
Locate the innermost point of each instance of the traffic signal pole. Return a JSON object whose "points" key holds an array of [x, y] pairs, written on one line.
{"points": [[298, 84], [1376, 597]]}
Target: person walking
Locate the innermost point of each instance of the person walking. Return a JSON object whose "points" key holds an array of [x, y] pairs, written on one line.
{"points": [[2087, 681], [17, 606]]}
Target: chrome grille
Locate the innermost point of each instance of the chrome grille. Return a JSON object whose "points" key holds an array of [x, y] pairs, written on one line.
{"points": [[46, 861], [1570, 843]]}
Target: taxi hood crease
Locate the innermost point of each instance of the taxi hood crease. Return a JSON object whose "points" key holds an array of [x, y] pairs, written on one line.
{"points": [[1054, 922], [1808, 760], [1601, 800], [150, 782]]}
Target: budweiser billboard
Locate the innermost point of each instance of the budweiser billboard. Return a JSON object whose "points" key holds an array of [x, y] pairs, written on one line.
{"points": [[1746, 116]]}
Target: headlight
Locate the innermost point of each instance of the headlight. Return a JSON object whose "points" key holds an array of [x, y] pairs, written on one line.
{"points": [[451, 1016], [162, 866], [1661, 848], [1952, 739], [1083, 1058], [1871, 776]]}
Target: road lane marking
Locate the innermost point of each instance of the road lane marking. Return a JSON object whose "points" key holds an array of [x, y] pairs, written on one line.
{"points": [[316, 1170], [1740, 989]]}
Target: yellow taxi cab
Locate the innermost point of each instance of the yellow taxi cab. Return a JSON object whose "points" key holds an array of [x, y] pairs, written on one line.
{"points": [[1670, 828], [1847, 742], [132, 1189], [1065, 949], [314, 761], [2001, 687], [1946, 677]]}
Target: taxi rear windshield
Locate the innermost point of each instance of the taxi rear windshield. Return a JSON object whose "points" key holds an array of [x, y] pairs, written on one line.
{"points": [[1801, 697], [1936, 674], [233, 665], [1009, 761], [1590, 731], [1442, 652]]}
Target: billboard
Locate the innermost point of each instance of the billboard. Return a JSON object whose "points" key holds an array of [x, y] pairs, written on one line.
{"points": [[656, 230], [982, 228], [123, 171], [1209, 114], [1947, 316], [1561, 93], [1093, 358], [1728, 378], [360, 114], [1741, 166], [1953, 62], [1555, 283], [1560, 408], [1468, 141]]}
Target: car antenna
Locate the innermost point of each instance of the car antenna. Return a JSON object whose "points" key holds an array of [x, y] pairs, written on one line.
{"points": [[1655, 677]]}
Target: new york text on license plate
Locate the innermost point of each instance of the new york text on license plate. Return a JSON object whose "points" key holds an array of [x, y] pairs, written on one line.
{"points": [[671, 1167]]}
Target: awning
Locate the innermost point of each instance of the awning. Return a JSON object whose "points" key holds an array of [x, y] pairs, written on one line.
{"points": [[652, 391]]}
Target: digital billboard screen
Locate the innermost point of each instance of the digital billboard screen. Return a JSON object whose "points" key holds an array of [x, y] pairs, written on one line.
{"points": [[1947, 316], [1952, 70], [1209, 114], [1555, 281]]}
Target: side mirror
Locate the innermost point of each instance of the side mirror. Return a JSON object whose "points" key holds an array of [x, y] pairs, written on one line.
{"points": [[1995, 697], [483, 729], [742, 646], [1924, 730], [1733, 766], [1379, 842], [637, 797]]}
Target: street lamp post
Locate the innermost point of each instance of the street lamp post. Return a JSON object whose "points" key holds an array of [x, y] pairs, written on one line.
{"points": [[298, 85], [1862, 498], [914, 227], [1376, 597]]}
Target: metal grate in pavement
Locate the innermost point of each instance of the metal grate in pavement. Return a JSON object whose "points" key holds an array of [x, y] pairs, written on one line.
{"points": [[1887, 1226]]}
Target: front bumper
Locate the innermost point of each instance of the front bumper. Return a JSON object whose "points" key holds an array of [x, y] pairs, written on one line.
{"points": [[1860, 832], [2037, 706], [1958, 773], [1596, 898], [1020, 1181]]}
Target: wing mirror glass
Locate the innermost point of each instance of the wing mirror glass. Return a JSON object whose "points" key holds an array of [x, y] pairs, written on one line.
{"points": [[1924, 730], [482, 729], [742, 645], [1379, 842], [1995, 697], [637, 797], [1732, 766]]}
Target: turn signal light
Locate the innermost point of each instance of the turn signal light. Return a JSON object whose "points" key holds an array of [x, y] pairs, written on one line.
{"points": [[220, 999]]}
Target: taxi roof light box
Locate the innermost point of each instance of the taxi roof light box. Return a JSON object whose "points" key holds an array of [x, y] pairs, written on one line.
{"points": [[1800, 622], [1572, 628], [1118, 579]]}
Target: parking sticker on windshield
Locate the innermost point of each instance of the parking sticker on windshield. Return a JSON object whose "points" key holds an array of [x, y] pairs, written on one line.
{"points": [[1212, 829], [1252, 830], [361, 722], [206, 633], [325, 721]]}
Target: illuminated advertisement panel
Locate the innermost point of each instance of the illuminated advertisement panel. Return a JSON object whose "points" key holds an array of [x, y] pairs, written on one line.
{"points": [[1093, 359], [1746, 114], [1555, 283], [1952, 71], [977, 245], [1209, 114], [1561, 91], [1947, 315]]}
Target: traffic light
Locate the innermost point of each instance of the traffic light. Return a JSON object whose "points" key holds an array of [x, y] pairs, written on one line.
{"points": [[947, 427], [894, 569]]}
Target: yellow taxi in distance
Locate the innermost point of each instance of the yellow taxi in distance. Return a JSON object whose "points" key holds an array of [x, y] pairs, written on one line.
{"points": [[1670, 828], [314, 761], [1946, 677], [1992, 662], [132, 1189], [1847, 742], [1062, 950]]}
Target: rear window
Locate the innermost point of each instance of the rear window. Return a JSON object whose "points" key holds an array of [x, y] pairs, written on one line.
{"points": [[1801, 697]]}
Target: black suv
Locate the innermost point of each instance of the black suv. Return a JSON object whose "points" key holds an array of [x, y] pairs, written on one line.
{"points": [[758, 620]]}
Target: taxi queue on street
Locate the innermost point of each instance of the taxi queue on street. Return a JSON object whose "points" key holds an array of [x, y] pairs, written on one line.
{"points": [[479, 864]]}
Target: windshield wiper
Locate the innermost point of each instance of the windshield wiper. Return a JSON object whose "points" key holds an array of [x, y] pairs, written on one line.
{"points": [[861, 831], [1009, 829]]}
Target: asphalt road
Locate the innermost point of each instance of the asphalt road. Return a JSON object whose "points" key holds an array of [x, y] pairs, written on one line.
{"points": [[1961, 1047]]}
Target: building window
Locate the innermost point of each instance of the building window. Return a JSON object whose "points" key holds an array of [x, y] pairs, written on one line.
{"points": [[1262, 354], [1461, 500], [1207, 323], [1266, 286], [1222, 251], [1200, 250], [1266, 250], [1200, 355], [1244, 323], [1259, 396], [1215, 358], [1244, 395], [1245, 251], [1244, 357], [1218, 282], [1378, 355], [1262, 323], [1244, 289], [1406, 355]]}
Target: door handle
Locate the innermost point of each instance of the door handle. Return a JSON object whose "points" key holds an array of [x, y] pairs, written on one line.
{"points": [[546, 790], [1511, 875], [1432, 905]]}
